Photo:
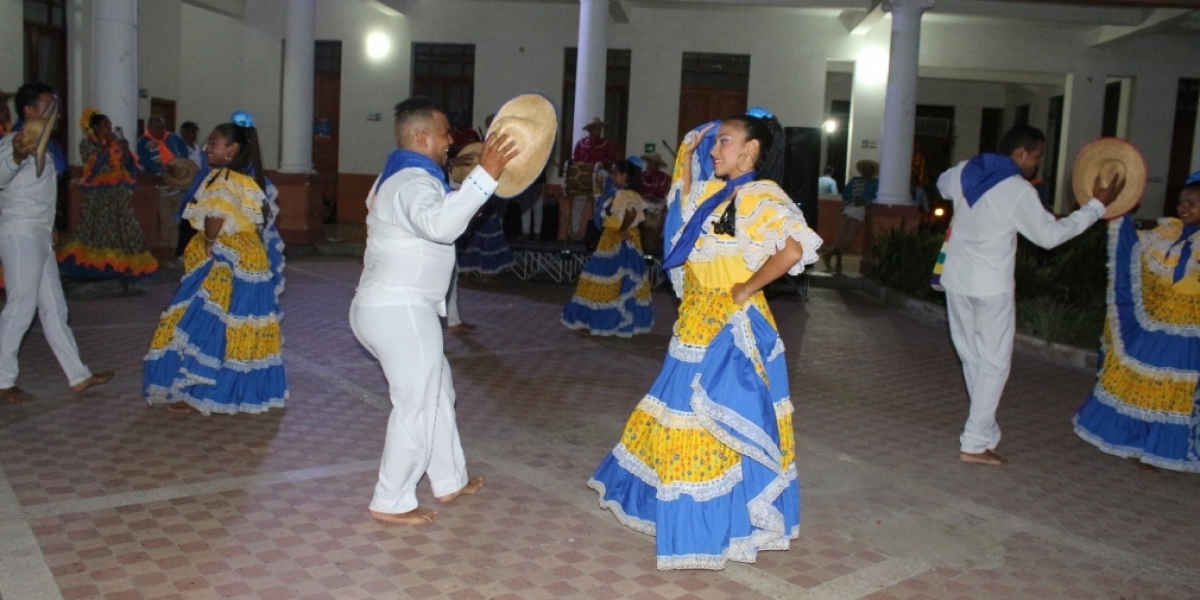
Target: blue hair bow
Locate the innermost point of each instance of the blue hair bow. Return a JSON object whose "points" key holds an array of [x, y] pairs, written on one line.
{"points": [[242, 118], [637, 162], [1193, 178], [760, 112]]}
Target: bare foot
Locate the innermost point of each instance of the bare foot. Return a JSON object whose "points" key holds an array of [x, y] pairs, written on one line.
{"points": [[15, 395], [180, 407], [416, 516], [987, 457], [461, 328], [472, 487], [95, 379]]}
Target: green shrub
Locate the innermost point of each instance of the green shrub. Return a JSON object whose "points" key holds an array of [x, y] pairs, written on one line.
{"points": [[1060, 292], [903, 260]]}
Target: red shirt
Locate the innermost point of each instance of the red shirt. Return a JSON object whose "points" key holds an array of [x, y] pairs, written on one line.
{"points": [[464, 136], [655, 184], [595, 150]]}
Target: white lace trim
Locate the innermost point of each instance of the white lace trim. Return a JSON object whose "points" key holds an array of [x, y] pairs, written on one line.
{"points": [[667, 416], [248, 210], [777, 350], [634, 523], [1139, 305], [157, 394], [1141, 414], [1183, 465], [702, 491], [688, 353], [764, 450]]}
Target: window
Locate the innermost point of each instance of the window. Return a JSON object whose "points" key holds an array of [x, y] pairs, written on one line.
{"points": [[446, 73]]}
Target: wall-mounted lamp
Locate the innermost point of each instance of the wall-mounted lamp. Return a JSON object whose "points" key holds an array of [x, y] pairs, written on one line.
{"points": [[830, 126], [378, 45]]}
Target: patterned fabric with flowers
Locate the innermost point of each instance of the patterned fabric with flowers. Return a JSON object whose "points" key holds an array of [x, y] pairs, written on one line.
{"points": [[1144, 403]]}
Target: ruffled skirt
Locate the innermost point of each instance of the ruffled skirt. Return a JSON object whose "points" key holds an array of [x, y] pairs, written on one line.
{"points": [[613, 295], [218, 346], [707, 460], [108, 243], [1144, 405], [485, 251]]}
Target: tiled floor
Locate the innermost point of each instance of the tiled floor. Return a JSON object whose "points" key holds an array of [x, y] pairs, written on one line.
{"points": [[104, 497]]}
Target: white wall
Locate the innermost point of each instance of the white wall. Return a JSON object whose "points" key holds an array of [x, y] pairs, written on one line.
{"points": [[12, 53], [159, 49], [226, 63]]}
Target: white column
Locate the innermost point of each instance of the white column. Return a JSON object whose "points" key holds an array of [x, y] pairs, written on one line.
{"points": [[1083, 116], [900, 102], [590, 65], [114, 64], [297, 116]]}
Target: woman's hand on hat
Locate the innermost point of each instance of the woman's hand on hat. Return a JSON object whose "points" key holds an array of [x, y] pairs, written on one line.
{"points": [[497, 151], [1108, 194]]}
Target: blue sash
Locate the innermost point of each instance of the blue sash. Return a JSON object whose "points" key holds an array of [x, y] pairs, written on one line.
{"points": [[400, 159], [691, 231]]}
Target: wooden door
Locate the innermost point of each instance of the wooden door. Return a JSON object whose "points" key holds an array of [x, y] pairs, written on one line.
{"points": [[327, 106], [700, 105], [161, 107]]}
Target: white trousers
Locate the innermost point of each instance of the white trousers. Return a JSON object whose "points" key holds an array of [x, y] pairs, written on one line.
{"points": [[982, 329], [422, 437], [33, 287], [453, 317], [530, 202]]}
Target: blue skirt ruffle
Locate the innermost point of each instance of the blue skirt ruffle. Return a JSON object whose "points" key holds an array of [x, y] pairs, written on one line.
{"points": [[613, 296], [751, 507]]}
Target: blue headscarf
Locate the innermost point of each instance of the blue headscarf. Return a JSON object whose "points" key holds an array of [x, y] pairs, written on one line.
{"points": [[983, 172]]}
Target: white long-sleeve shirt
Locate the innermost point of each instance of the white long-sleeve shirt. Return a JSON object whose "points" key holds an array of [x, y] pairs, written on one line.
{"points": [[412, 223], [27, 202], [982, 251]]}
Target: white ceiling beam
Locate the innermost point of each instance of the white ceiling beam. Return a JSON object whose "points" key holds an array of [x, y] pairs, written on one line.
{"points": [[1158, 19], [619, 11], [859, 22], [391, 8], [231, 8]]}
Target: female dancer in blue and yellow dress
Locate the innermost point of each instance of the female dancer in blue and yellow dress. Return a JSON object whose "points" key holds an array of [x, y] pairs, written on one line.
{"points": [[706, 462], [217, 347], [1144, 404], [108, 242], [613, 294]]}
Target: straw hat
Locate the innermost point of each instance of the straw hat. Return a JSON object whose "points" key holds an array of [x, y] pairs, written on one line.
{"points": [[40, 129], [1106, 158], [531, 120], [472, 151], [187, 173], [654, 157], [595, 123], [866, 164]]}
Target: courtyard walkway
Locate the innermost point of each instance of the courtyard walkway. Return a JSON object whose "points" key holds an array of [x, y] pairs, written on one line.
{"points": [[102, 496]]}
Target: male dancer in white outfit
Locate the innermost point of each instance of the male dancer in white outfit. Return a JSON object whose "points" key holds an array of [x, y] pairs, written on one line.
{"points": [[27, 236], [993, 202], [412, 222]]}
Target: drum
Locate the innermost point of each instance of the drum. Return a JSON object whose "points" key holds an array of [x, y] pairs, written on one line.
{"points": [[579, 179], [652, 228]]}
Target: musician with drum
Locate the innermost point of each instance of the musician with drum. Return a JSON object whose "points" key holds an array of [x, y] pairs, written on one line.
{"points": [[591, 154]]}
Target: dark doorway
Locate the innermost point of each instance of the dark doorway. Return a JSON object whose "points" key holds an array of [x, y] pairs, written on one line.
{"points": [[1021, 115], [933, 146], [445, 73], [161, 107], [837, 143], [713, 86], [1049, 170], [801, 168], [327, 106], [1186, 99], [616, 99], [1112, 109], [991, 124], [46, 61]]}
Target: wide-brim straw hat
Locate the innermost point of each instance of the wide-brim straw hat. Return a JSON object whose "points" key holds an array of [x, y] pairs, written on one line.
{"points": [[530, 120], [1107, 158], [41, 128], [867, 164], [654, 157], [459, 172], [186, 170], [595, 123]]}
